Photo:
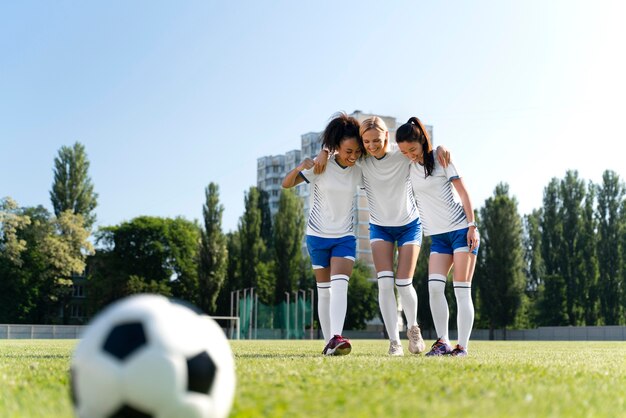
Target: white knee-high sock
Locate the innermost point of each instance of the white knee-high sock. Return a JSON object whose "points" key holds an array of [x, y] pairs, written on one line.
{"points": [[338, 302], [408, 297], [465, 311], [438, 304], [323, 309], [388, 304]]}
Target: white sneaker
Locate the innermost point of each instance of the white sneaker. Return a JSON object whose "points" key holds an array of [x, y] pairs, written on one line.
{"points": [[395, 348], [416, 342]]}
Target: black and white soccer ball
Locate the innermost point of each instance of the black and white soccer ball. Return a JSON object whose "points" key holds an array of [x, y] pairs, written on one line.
{"points": [[150, 356]]}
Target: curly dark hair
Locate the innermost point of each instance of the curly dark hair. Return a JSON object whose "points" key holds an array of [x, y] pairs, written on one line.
{"points": [[339, 128]]}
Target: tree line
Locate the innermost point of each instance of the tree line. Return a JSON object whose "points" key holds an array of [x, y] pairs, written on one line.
{"points": [[563, 264]]}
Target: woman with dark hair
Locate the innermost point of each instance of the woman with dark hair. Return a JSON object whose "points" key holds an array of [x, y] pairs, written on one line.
{"points": [[394, 228], [330, 237], [449, 220]]}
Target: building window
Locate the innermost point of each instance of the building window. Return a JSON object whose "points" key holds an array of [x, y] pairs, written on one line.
{"points": [[78, 291], [77, 311]]}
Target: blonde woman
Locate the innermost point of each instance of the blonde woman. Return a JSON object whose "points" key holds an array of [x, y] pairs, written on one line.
{"points": [[394, 220]]}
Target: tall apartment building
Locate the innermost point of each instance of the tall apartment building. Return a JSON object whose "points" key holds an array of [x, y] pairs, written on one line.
{"points": [[272, 169], [270, 173]]}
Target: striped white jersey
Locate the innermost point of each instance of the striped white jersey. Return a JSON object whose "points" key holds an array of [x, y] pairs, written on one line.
{"points": [[439, 205], [388, 188], [332, 202]]}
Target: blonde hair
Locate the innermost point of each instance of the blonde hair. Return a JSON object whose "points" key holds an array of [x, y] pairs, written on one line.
{"points": [[373, 123]]}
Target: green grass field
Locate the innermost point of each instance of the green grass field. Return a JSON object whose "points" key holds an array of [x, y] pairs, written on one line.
{"points": [[292, 379]]}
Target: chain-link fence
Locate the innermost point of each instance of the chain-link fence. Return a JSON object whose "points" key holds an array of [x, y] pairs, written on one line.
{"points": [[292, 319]]}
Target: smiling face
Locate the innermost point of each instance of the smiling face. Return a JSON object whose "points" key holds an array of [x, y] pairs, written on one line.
{"points": [[375, 142], [412, 150], [348, 152]]}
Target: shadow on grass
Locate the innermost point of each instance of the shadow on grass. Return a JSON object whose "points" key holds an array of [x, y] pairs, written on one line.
{"points": [[310, 355], [33, 356], [277, 355]]}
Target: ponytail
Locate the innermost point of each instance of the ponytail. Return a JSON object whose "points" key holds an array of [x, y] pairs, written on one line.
{"points": [[414, 131]]}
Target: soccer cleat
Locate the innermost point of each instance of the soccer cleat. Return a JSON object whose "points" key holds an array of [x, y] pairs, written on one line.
{"points": [[459, 351], [337, 346], [395, 349], [416, 342], [440, 348]]}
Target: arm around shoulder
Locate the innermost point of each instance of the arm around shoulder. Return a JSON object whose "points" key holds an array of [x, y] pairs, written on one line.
{"points": [[293, 178], [443, 155], [320, 161]]}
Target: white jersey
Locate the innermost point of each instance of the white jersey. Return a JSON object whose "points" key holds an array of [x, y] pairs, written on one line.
{"points": [[332, 201], [439, 205], [388, 188]]}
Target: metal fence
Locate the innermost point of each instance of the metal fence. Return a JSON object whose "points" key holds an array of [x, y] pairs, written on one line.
{"points": [[291, 319], [71, 332], [20, 332], [591, 333], [233, 331]]}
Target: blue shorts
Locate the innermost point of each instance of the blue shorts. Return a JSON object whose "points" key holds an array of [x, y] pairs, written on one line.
{"points": [[322, 249], [410, 233], [451, 242]]}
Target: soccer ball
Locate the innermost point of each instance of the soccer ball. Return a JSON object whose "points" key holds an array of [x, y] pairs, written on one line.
{"points": [[150, 356]]}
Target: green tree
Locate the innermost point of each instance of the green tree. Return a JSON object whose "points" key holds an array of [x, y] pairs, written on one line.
{"points": [[288, 234], [183, 238], [138, 284], [551, 244], [622, 284], [254, 271], [233, 271], [16, 295], [534, 266], [610, 200], [266, 217], [141, 247], [158, 253], [501, 282], [72, 188], [362, 297], [40, 253], [233, 245], [65, 251], [32, 280], [213, 252], [11, 247], [552, 303], [551, 227], [571, 258], [588, 264]]}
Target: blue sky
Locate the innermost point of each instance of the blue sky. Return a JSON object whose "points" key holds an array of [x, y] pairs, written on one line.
{"points": [[169, 96]]}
